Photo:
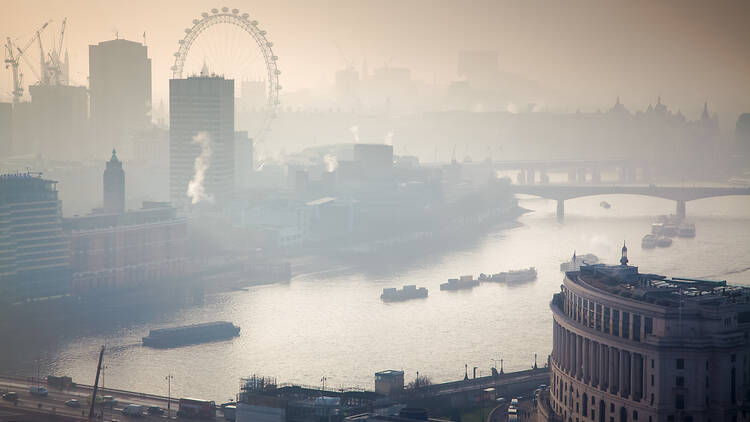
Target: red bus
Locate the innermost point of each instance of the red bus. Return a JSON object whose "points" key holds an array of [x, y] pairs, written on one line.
{"points": [[196, 408]]}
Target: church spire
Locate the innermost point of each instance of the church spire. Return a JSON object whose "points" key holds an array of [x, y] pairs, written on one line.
{"points": [[624, 257]]}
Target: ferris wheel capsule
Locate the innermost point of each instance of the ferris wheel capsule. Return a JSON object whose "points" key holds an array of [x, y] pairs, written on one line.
{"points": [[181, 42], [204, 14], [274, 58], [262, 32], [225, 9], [214, 11], [269, 44], [254, 23], [277, 72], [195, 21], [245, 16], [187, 30], [235, 11]]}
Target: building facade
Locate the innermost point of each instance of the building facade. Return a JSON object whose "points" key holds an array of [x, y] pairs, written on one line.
{"points": [[34, 257], [643, 347], [201, 117], [120, 89], [130, 250]]}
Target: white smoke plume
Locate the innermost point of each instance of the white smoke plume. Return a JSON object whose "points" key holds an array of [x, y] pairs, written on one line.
{"points": [[388, 138], [355, 132], [331, 162], [196, 191]]}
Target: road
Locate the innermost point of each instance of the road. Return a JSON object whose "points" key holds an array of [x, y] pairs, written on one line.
{"points": [[54, 402]]}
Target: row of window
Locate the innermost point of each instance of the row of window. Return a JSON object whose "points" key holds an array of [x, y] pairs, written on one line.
{"points": [[605, 319]]}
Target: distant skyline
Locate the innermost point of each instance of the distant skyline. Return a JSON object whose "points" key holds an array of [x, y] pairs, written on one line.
{"points": [[588, 52]]}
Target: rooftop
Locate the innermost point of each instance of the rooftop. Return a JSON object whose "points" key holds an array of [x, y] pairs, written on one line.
{"points": [[626, 281]]}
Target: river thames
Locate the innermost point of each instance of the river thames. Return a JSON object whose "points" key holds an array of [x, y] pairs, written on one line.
{"points": [[332, 323]]}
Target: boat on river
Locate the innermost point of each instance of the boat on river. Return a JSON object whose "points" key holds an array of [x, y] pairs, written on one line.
{"points": [[408, 292], [649, 241], [191, 334], [462, 283], [515, 276], [575, 263]]}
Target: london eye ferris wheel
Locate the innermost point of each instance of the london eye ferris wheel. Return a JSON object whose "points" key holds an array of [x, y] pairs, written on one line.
{"points": [[231, 43]]}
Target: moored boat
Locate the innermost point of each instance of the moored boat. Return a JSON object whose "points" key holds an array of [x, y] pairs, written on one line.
{"points": [[649, 241], [464, 282], [663, 242], [575, 263], [391, 294]]}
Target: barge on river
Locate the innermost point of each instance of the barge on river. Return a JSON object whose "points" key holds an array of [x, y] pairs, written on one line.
{"points": [[191, 334]]}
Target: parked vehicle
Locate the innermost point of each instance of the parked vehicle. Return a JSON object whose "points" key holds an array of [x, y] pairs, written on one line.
{"points": [[73, 403], [133, 410]]}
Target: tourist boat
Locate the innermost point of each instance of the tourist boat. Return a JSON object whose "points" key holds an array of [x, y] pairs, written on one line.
{"points": [[464, 282], [575, 263], [191, 334], [663, 241], [686, 229], [649, 241], [391, 294], [516, 276], [606, 205]]}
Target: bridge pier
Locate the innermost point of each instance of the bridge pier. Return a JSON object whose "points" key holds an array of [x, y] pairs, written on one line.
{"points": [[596, 176], [680, 209], [560, 209], [530, 176]]}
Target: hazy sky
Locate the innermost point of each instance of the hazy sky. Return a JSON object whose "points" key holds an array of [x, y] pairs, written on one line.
{"points": [[588, 51]]}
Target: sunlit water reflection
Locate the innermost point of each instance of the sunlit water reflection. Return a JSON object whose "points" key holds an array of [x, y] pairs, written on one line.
{"points": [[333, 323]]}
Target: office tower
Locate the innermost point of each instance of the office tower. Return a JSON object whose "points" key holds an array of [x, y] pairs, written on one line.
{"points": [[59, 121], [120, 89], [34, 258], [114, 186], [629, 346], [201, 139]]}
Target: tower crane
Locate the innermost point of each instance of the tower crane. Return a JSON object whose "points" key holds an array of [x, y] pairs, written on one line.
{"points": [[53, 67], [13, 56]]}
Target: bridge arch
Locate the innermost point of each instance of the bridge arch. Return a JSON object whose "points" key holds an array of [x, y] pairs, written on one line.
{"points": [[681, 195]]}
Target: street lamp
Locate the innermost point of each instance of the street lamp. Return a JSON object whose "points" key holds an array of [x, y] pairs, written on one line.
{"points": [[169, 379], [103, 368]]}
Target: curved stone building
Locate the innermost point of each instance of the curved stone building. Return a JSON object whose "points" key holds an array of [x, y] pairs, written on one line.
{"points": [[644, 347]]}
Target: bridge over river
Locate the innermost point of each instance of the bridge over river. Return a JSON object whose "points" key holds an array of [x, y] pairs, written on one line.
{"points": [[680, 194]]}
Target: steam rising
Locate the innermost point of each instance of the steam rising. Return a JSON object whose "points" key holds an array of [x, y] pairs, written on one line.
{"points": [[331, 162], [196, 191], [355, 132]]}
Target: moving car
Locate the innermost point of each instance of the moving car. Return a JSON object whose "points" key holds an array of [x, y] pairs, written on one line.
{"points": [[133, 410], [155, 410], [38, 391], [73, 403], [10, 396]]}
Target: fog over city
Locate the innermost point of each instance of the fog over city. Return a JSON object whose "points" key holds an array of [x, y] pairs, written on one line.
{"points": [[375, 211]]}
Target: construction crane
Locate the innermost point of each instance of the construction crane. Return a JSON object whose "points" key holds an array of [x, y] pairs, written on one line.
{"points": [[13, 56], [53, 68], [96, 384]]}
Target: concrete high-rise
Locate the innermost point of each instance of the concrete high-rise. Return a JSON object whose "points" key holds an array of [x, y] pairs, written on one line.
{"points": [[34, 254], [201, 117], [629, 346], [120, 89], [114, 186]]}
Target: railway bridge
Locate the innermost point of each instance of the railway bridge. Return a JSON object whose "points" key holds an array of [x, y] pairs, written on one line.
{"points": [[680, 194]]}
